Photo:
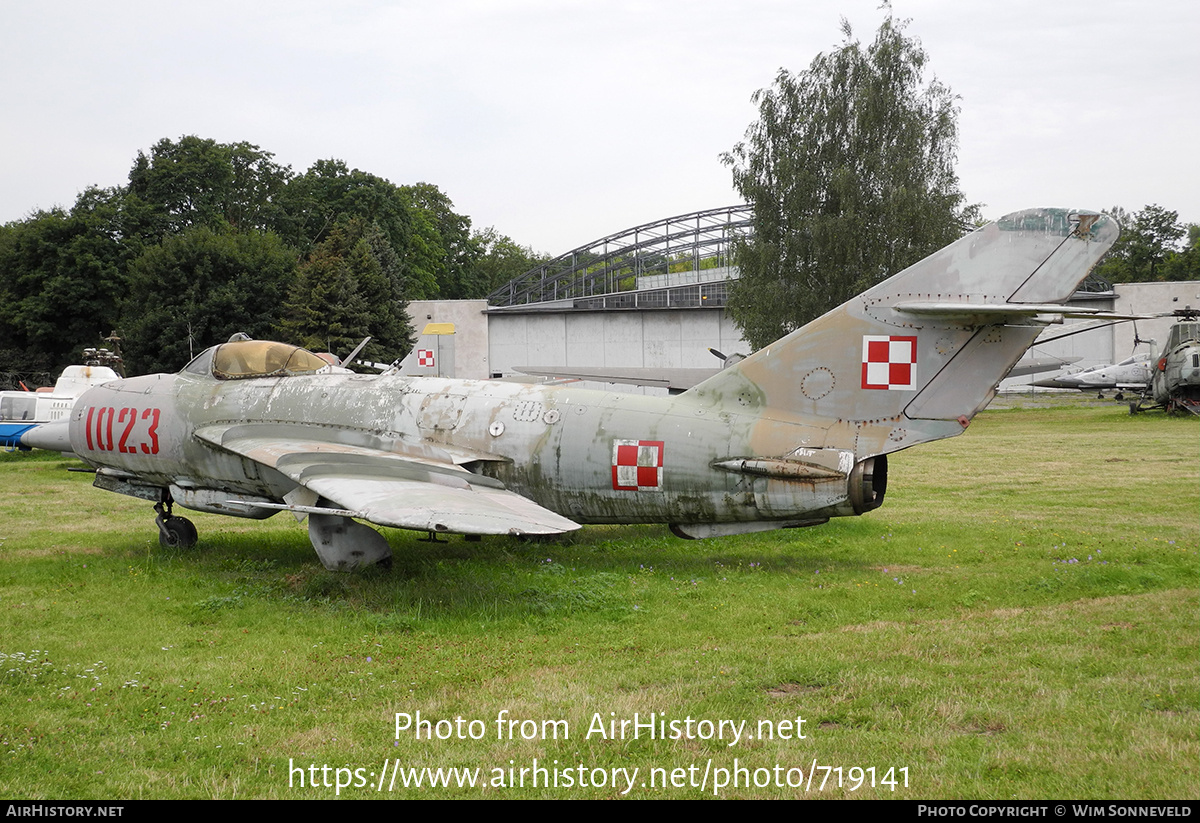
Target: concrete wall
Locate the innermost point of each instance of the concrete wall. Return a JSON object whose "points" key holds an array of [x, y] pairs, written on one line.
{"points": [[627, 339], [470, 331], [1150, 298], [1092, 348], [496, 343]]}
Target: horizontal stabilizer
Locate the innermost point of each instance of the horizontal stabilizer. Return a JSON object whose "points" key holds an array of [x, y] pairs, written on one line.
{"points": [[983, 313]]}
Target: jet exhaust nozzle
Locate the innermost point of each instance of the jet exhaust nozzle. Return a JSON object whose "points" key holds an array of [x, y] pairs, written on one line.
{"points": [[867, 484]]}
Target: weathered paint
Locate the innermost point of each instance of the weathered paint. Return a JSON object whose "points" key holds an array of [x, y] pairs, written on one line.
{"points": [[792, 435], [1175, 384]]}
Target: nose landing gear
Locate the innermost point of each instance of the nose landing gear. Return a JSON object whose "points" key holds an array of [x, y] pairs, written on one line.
{"points": [[174, 532]]}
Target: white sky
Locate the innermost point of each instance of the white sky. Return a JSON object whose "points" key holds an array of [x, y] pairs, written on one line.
{"points": [[558, 121]]}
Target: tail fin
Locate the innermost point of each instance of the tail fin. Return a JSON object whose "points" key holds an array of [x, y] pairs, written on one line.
{"points": [[433, 356], [917, 356]]}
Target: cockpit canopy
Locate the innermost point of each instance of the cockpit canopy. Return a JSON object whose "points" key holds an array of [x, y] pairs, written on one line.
{"points": [[244, 359], [1182, 332]]}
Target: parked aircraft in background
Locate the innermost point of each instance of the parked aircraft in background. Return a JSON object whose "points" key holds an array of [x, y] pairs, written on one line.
{"points": [[433, 356], [792, 435], [1131, 374], [1034, 365], [1175, 385], [21, 411]]}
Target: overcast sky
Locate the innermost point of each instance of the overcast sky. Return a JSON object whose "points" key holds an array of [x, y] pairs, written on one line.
{"points": [[558, 121]]}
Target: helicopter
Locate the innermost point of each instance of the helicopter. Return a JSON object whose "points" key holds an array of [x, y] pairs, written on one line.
{"points": [[1175, 379]]}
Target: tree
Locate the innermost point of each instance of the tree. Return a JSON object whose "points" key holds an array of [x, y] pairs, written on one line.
{"points": [[350, 287], [1156, 234], [1183, 266], [61, 278], [1148, 248], [199, 287], [452, 243], [200, 182], [501, 259], [205, 241], [326, 311], [330, 193], [850, 170]]}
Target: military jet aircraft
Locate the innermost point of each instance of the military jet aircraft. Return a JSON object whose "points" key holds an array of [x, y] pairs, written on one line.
{"points": [[793, 435], [1131, 374]]}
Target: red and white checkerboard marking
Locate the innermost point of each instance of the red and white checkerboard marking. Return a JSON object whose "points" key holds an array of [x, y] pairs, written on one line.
{"points": [[889, 362], [637, 465], [425, 358]]}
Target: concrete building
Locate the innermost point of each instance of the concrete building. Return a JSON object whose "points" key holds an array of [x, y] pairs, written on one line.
{"points": [[1113, 342], [1151, 298], [654, 297]]}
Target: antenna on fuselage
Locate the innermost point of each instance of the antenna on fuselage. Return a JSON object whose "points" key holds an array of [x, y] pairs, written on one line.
{"points": [[350, 357]]}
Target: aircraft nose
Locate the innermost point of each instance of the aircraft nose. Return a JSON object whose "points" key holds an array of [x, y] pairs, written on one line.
{"points": [[49, 436]]}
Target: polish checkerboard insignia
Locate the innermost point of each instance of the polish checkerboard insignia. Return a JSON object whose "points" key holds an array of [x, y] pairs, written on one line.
{"points": [[889, 362], [637, 465], [425, 358]]}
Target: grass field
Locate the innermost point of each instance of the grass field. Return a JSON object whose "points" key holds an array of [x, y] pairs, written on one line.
{"points": [[1019, 620]]}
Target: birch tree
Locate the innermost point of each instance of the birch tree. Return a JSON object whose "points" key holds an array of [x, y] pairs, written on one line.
{"points": [[850, 170]]}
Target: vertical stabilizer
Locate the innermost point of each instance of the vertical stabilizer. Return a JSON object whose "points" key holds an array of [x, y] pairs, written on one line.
{"points": [[917, 356], [433, 356]]}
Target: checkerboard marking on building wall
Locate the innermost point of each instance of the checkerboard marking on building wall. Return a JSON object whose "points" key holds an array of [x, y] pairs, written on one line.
{"points": [[889, 362], [637, 465]]}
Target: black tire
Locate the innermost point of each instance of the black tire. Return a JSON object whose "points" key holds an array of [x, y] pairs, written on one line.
{"points": [[180, 534]]}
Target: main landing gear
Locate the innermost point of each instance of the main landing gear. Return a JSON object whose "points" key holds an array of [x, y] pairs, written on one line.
{"points": [[174, 532]]}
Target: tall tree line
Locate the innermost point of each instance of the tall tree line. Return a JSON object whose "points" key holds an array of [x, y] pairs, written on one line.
{"points": [[207, 239], [850, 168], [1154, 246]]}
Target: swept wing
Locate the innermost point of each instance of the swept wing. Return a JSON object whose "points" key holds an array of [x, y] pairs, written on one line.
{"points": [[423, 491]]}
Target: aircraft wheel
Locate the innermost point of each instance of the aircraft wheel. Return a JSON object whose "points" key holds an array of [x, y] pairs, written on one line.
{"points": [[1133, 407], [180, 534]]}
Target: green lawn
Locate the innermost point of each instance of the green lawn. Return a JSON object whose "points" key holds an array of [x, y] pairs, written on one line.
{"points": [[1019, 620]]}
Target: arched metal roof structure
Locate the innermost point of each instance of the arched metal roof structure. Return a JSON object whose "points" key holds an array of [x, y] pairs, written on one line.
{"points": [[677, 262], [641, 267]]}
